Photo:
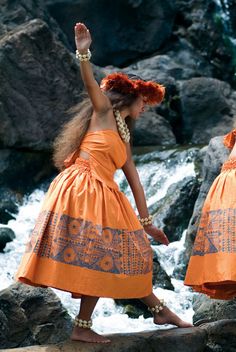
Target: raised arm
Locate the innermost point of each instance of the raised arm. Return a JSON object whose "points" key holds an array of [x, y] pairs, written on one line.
{"points": [[83, 41], [133, 179]]}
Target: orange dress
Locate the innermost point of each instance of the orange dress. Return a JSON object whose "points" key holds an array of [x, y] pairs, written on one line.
{"points": [[87, 239], [212, 266]]}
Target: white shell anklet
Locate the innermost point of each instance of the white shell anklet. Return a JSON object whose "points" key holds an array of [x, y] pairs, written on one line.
{"points": [[158, 307], [86, 324]]}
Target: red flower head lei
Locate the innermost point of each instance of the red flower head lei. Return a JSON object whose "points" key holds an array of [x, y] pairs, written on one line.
{"points": [[152, 92]]}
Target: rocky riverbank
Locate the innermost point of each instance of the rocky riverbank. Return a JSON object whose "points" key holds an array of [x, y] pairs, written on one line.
{"points": [[219, 336]]}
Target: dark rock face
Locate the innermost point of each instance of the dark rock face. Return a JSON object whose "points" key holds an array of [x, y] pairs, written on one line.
{"points": [[214, 337], [23, 171], [6, 235], [215, 309], [181, 63], [153, 129], [31, 316], [40, 80], [221, 336], [202, 23], [206, 109], [179, 200], [15, 13], [48, 83], [136, 28], [195, 109]]}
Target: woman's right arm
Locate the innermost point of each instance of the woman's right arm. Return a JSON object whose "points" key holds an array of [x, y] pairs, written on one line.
{"points": [[83, 41]]}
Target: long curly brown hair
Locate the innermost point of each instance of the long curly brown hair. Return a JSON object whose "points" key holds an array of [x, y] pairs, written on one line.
{"points": [[73, 131]]}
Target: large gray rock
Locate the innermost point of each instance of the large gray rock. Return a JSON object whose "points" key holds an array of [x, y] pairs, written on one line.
{"points": [[122, 31], [214, 309], [221, 336], [189, 61], [153, 129], [30, 316], [206, 109], [180, 63], [215, 337], [15, 13], [22, 171], [183, 340], [40, 80], [6, 235]]}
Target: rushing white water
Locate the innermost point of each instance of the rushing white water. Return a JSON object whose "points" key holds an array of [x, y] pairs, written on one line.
{"points": [[224, 13], [108, 317]]}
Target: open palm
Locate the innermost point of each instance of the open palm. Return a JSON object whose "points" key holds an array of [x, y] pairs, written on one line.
{"points": [[82, 37]]}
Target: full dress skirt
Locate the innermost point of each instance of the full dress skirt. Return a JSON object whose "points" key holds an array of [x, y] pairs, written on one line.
{"points": [[212, 266], [87, 239]]}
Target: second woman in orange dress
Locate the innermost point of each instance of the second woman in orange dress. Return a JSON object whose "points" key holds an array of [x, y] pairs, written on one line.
{"points": [[212, 266]]}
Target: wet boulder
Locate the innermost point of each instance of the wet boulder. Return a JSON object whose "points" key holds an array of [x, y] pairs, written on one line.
{"points": [[31, 316], [46, 80], [207, 107], [153, 129], [213, 309], [16, 13], [21, 172], [6, 235]]}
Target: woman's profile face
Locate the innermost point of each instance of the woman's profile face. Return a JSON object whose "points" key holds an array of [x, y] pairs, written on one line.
{"points": [[137, 107]]}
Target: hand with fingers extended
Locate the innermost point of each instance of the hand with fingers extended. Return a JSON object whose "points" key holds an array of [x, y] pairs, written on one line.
{"points": [[157, 235], [82, 37]]}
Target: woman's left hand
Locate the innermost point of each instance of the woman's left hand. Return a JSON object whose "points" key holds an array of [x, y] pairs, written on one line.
{"points": [[82, 37], [157, 235]]}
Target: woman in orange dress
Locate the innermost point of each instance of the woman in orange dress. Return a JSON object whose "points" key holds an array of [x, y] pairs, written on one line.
{"points": [[212, 266], [87, 239]]}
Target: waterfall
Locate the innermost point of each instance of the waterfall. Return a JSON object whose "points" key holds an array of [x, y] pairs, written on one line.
{"points": [[224, 12]]}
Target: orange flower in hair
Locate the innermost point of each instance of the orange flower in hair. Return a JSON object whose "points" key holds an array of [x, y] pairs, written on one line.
{"points": [[152, 92]]}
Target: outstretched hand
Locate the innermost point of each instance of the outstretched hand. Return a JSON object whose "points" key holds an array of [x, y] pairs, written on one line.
{"points": [[82, 37], [157, 235]]}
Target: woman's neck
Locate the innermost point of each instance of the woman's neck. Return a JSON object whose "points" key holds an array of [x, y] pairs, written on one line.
{"points": [[124, 113]]}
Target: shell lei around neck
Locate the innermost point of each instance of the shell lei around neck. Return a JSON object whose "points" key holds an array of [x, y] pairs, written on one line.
{"points": [[122, 127]]}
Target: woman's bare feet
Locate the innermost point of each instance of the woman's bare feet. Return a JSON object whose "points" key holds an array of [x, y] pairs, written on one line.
{"points": [[87, 335], [166, 316]]}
